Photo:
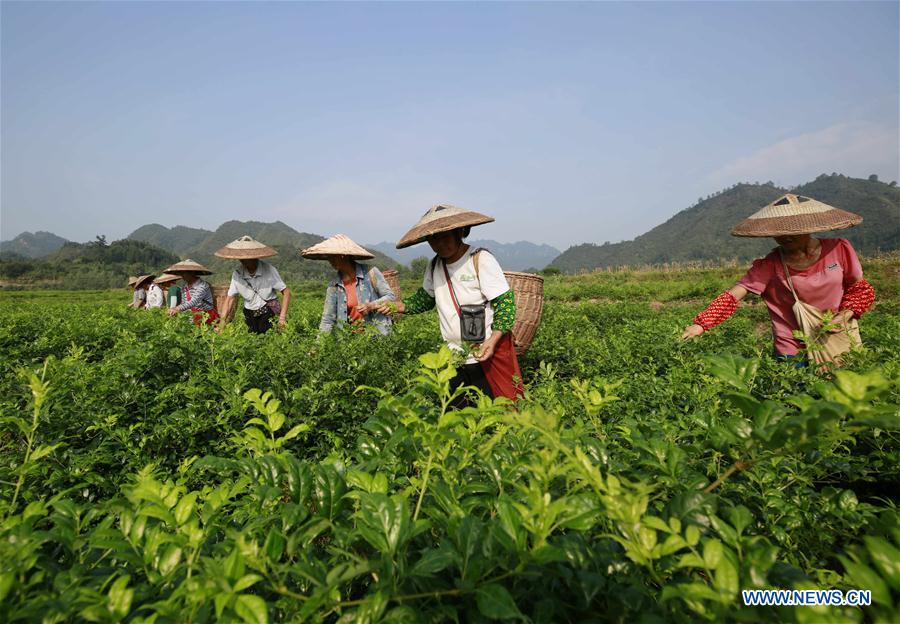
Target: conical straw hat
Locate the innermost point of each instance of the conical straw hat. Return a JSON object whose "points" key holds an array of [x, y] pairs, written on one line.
{"points": [[132, 280], [245, 248], [441, 218], [337, 245], [165, 278], [188, 266], [795, 214], [143, 278]]}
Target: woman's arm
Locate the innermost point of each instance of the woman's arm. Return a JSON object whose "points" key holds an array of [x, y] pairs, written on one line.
{"points": [[225, 314], [285, 303], [382, 289], [719, 311], [504, 320], [857, 299], [419, 302]]}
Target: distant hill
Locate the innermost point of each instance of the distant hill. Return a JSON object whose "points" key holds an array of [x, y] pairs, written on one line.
{"points": [[200, 245], [177, 239], [702, 231], [28, 245], [97, 264], [512, 256], [877, 202]]}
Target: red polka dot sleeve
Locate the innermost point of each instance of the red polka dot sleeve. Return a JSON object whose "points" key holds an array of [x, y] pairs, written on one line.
{"points": [[858, 297], [720, 310]]}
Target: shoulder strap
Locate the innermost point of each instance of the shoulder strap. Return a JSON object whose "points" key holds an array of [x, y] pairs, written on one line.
{"points": [[433, 264], [450, 286], [475, 255], [787, 273]]}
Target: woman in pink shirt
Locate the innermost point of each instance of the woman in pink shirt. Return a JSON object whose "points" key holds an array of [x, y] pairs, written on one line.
{"points": [[825, 273]]}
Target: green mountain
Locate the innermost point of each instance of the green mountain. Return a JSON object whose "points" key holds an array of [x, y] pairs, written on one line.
{"points": [[877, 202], [702, 231], [177, 239], [201, 245], [93, 265], [28, 245]]}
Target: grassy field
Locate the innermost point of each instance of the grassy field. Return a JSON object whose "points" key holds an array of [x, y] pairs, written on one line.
{"points": [[642, 478]]}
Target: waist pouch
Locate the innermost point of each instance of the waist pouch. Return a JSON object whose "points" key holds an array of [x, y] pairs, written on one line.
{"points": [[472, 323], [266, 310]]}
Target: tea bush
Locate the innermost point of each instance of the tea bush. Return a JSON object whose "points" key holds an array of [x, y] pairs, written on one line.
{"points": [[156, 472]]}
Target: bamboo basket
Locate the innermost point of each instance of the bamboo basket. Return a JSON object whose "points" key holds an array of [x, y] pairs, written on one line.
{"points": [[393, 280], [529, 291]]}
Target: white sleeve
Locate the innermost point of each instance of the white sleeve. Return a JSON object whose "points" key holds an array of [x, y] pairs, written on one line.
{"points": [[428, 279], [490, 276], [278, 284], [233, 288]]}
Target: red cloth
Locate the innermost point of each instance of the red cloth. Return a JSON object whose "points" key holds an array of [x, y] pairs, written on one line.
{"points": [[197, 313], [822, 285], [211, 315], [858, 297], [502, 370], [719, 311], [353, 314]]}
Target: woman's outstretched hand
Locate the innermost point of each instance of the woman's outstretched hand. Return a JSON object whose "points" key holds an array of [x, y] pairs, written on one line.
{"points": [[839, 321], [691, 331], [392, 307]]}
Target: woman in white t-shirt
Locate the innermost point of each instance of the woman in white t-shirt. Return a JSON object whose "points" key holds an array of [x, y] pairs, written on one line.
{"points": [[469, 290]]}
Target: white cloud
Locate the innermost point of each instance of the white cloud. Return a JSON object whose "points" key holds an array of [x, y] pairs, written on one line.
{"points": [[854, 148]]}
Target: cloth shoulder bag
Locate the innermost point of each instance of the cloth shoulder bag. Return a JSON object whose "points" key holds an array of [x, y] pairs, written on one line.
{"points": [[821, 346]]}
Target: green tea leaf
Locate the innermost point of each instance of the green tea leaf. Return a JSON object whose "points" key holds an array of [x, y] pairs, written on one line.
{"points": [[496, 603], [251, 609]]}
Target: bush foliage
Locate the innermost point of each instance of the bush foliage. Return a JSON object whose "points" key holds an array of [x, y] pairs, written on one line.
{"points": [[157, 472]]}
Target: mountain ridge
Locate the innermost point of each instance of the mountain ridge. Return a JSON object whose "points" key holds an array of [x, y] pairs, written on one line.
{"points": [[200, 245], [32, 245], [701, 232]]}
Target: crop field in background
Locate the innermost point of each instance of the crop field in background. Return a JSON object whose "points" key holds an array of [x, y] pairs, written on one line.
{"points": [[151, 471]]}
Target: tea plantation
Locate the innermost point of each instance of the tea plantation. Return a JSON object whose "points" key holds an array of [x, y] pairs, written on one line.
{"points": [[151, 471]]}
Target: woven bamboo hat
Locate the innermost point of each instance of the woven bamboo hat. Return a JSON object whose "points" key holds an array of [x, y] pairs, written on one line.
{"points": [[165, 278], [439, 219], [138, 282], [188, 266], [337, 245], [132, 280], [245, 248], [795, 214]]}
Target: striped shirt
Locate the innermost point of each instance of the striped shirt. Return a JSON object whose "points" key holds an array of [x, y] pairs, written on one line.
{"points": [[198, 295]]}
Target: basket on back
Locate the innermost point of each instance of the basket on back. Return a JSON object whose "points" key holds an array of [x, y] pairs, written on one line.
{"points": [[529, 291], [393, 279]]}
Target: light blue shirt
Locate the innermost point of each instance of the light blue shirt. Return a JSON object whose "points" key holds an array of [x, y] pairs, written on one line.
{"points": [[335, 310]]}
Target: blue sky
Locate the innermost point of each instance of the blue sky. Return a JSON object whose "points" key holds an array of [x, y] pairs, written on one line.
{"points": [[568, 122]]}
